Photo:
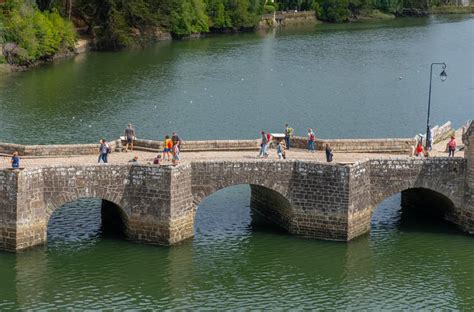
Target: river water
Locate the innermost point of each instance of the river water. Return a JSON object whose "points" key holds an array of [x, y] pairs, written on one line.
{"points": [[363, 80]]}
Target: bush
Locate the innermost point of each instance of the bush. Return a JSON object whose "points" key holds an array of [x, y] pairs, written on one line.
{"points": [[35, 34], [334, 10]]}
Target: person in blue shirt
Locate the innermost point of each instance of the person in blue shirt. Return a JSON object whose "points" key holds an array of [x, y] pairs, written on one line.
{"points": [[15, 160]]}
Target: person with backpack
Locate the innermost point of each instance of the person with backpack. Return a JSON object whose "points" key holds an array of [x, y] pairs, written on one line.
{"points": [[15, 161], [288, 135], [451, 146], [311, 138], [104, 151]]}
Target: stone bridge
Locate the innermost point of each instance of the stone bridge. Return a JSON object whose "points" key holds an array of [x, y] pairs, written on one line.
{"points": [[306, 197]]}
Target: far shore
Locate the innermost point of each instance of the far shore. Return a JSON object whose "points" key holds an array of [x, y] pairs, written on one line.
{"points": [[85, 44]]}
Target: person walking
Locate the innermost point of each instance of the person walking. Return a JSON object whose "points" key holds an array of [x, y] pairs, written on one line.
{"points": [[288, 135], [329, 153], [104, 151], [175, 154], [264, 145], [167, 148], [129, 137], [451, 146], [311, 139], [15, 161], [176, 140], [281, 151]]}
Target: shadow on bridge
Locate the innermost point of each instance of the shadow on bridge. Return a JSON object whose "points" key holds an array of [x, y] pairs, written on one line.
{"points": [[415, 210]]}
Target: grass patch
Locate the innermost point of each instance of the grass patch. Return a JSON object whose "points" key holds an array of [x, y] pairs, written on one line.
{"points": [[376, 14]]}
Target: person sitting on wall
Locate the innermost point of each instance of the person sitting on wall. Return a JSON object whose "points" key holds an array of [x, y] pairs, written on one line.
{"points": [[157, 160], [419, 150], [15, 161], [426, 152], [329, 153]]}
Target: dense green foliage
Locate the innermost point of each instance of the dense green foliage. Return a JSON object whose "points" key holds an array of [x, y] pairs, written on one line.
{"points": [[37, 35], [39, 29], [343, 10]]}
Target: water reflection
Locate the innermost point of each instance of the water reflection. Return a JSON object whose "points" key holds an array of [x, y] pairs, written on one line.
{"points": [[236, 261], [224, 86]]}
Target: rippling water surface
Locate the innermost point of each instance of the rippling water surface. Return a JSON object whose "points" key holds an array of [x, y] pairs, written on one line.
{"points": [[235, 261], [348, 80], [359, 80]]}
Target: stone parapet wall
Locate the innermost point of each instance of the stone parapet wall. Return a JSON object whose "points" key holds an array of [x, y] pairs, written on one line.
{"points": [[199, 146], [359, 145], [388, 145], [49, 150]]}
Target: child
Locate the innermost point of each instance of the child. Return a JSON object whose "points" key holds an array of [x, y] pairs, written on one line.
{"points": [[133, 160], [167, 146], [281, 151], [15, 160], [452, 146], [157, 160], [175, 154]]}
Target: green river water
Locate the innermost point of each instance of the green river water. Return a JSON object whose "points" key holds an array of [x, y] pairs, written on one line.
{"points": [[362, 80]]}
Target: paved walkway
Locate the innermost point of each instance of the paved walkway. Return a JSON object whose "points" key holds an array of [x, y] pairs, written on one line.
{"points": [[147, 157]]}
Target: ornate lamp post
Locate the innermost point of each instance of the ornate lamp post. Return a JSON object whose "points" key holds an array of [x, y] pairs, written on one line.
{"points": [[443, 77]]}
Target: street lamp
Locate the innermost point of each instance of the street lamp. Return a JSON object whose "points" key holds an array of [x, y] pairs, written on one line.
{"points": [[443, 77]]}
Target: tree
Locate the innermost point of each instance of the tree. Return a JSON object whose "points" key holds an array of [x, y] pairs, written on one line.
{"points": [[334, 10]]}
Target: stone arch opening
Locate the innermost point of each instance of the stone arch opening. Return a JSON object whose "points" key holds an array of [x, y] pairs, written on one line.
{"points": [[86, 220], [414, 208], [252, 207]]}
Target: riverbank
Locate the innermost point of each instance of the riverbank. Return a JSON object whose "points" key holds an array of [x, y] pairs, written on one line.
{"points": [[450, 9], [269, 21]]}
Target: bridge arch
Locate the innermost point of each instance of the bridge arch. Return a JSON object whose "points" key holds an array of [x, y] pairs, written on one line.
{"points": [[429, 202], [208, 178], [268, 202], [439, 192], [91, 214]]}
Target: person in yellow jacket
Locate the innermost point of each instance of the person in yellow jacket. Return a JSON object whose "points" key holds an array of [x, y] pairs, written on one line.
{"points": [[167, 148]]}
